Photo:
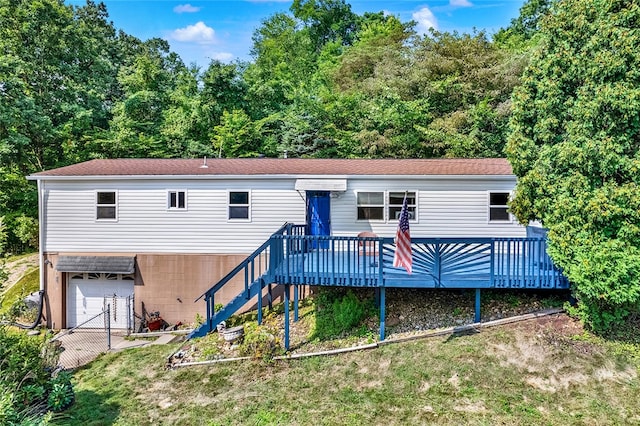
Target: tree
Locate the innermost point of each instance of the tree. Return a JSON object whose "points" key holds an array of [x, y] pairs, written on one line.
{"points": [[326, 21], [575, 146], [525, 27]]}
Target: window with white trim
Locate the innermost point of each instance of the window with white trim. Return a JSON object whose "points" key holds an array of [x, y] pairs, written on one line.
{"points": [[499, 207], [239, 205], [106, 205], [395, 201], [177, 200], [385, 206], [370, 205]]}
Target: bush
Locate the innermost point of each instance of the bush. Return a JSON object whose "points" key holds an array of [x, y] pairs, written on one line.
{"points": [[261, 341], [28, 387], [338, 312], [26, 229], [574, 149]]}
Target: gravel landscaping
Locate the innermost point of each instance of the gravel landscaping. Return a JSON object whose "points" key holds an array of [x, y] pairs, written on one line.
{"points": [[409, 312]]}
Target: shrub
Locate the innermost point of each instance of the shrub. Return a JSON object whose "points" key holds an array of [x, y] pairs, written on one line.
{"points": [[26, 229], [28, 389], [261, 341], [338, 312], [61, 395]]}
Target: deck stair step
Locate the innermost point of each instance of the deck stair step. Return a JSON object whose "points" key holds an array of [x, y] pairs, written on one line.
{"points": [[229, 309]]}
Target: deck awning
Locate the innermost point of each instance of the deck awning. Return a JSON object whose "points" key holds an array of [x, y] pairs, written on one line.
{"points": [[321, 184], [99, 264]]}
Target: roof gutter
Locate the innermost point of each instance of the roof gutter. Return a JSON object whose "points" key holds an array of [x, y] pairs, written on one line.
{"points": [[258, 176]]}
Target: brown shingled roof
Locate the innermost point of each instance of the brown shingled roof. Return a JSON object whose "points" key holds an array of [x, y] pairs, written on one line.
{"points": [[282, 166]]}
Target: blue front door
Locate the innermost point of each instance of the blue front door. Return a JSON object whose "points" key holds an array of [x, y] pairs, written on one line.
{"points": [[319, 215]]}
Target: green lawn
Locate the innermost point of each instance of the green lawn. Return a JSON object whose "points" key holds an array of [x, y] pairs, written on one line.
{"points": [[27, 284], [545, 371]]}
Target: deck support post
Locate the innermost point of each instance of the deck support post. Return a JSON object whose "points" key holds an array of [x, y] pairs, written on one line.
{"points": [[295, 303], [477, 305], [286, 317], [382, 312], [209, 303], [260, 302], [270, 296]]}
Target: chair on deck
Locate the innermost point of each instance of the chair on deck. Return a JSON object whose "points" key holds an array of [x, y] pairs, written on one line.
{"points": [[369, 248]]}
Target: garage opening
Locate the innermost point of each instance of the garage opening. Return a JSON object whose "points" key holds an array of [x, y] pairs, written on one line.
{"points": [[93, 282]]}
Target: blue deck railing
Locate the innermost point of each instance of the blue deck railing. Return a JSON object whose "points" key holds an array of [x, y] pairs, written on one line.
{"points": [[290, 257], [437, 262]]}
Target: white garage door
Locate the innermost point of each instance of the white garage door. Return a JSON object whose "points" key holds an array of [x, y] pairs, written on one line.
{"points": [[88, 294]]}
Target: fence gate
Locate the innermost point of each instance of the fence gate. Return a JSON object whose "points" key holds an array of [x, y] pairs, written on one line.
{"points": [[121, 311]]}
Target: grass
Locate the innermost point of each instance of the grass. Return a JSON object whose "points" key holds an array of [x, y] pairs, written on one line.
{"points": [[29, 283], [545, 371]]}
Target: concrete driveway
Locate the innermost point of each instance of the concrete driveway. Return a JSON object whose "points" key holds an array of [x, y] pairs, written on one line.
{"points": [[84, 345]]}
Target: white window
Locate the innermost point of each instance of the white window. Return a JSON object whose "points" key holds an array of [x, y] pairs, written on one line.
{"points": [[239, 205], [370, 205], [396, 199], [498, 207], [385, 206], [106, 207], [177, 200]]}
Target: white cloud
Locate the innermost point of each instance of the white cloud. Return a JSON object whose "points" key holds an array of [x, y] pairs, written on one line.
{"points": [[425, 19], [198, 33], [187, 8], [460, 3], [222, 56]]}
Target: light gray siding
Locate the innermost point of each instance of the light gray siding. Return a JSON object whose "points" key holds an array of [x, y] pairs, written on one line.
{"points": [[446, 208], [145, 224]]}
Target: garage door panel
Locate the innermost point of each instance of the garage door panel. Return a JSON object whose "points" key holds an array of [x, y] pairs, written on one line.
{"points": [[86, 298]]}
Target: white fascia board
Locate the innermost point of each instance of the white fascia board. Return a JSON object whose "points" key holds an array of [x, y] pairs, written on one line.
{"points": [[321, 185], [279, 176]]}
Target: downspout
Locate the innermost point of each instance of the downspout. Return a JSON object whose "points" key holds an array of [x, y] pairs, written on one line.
{"points": [[41, 234]]}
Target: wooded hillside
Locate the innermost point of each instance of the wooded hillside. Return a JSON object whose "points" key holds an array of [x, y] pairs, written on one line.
{"points": [[323, 82]]}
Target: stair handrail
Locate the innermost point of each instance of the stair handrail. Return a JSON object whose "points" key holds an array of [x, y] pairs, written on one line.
{"points": [[284, 228]]}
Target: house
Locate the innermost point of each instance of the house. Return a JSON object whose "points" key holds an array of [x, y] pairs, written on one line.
{"points": [[160, 232]]}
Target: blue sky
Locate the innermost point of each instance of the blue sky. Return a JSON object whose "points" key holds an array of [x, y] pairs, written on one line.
{"points": [[203, 30]]}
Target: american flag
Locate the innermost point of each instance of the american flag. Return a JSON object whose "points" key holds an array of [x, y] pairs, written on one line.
{"points": [[402, 257]]}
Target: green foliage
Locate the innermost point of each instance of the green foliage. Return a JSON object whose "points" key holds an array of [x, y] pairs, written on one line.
{"points": [[3, 237], [236, 136], [324, 82], [27, 231], [209, 346], [339, 312], [574, 146], [261, 341], [526, 26], [27, 387], [61, 395]]}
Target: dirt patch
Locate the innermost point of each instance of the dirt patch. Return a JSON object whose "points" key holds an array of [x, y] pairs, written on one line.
{"points": [[547, 351]]}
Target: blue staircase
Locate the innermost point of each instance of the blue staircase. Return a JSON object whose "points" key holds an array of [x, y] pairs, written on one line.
{"points": [[229, 309], [258, 271]]}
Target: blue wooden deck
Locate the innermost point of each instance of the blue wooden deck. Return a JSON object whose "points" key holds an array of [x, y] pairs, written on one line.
{"points": [[437, 263], [290, 258]]}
